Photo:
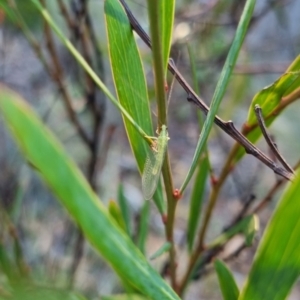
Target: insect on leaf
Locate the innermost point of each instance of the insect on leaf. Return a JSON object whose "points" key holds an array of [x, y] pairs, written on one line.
{"points": [[154, 161]]}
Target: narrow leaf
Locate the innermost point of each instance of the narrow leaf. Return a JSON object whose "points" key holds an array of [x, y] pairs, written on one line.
{"points": [[167, 9], [163, 249], [155, 19], [197, 200], [30, 14], [116, 214], [247, 226], [9, 12], [228, 285], [124, 297], [130, 82], [125, 210], [144, 226], [276, 266], [221, 86], [269, 99], [202, 173], [6, 265], [128, 75], [67, 183], [251, 229], [294, 67], [83, 63], [28, 291]]}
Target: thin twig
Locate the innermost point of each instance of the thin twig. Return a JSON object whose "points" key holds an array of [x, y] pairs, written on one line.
{"points": [[66, 15], [268, 139], [285, 101], [55, 74], [228, 127], [171, 210], [259, 207], [58, 78], [91, 90], [271, 193], [81, 33], [242, 212]]}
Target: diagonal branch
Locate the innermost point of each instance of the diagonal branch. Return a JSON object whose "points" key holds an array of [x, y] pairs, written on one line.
{"points": [[228, 127], [268, 139]]}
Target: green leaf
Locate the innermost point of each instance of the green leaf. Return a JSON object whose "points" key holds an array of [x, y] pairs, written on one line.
{"points": [[276, 266], [251, 229], [269, 98], [30, 14], [143, 227], [221, 86], [128, 75], [116, 214], [197, 200], [163, 249], [125, 211], [83, 63], [202, 173], [155, 20], [228, 285], [248, 226], [130, 82], [294, 67], [124, 297], [6, 265], [67, 183], [167, 10], [27, 291], [9, 12]]}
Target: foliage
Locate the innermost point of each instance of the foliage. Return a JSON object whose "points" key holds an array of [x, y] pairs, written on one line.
{"points": [[109, 228]]}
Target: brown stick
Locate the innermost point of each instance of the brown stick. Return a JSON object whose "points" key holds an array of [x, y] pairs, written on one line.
{"points": [[228, 127]]}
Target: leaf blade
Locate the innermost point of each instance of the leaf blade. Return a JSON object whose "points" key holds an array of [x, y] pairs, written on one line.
{"points": [[68, 184], [276, 266], [167, 9], [269, 99], [221, 86], [130, 83], [227, 282], [197, 199]]}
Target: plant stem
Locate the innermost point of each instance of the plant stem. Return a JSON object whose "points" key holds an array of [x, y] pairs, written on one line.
{"points": [[155, 19], [171, 209], [207, 216], [227, 127]]}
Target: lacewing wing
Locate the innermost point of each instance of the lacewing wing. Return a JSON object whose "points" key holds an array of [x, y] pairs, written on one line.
{"points": [[154, 161]]}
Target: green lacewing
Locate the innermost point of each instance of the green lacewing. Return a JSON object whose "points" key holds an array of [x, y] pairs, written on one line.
{"points": [[154, 161]]}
